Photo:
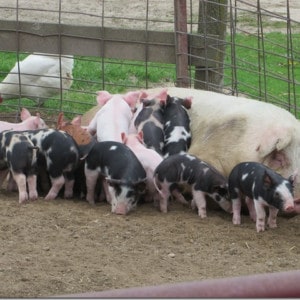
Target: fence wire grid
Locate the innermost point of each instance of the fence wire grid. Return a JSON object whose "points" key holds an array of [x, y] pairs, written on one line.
{"points": [[244, 48]]}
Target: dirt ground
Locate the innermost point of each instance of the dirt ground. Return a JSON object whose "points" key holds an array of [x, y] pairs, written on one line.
{"points": [[67, 246]]}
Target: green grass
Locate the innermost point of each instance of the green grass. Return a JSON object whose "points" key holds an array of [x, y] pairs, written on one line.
{"points": [[271, 74], [92, 74]]}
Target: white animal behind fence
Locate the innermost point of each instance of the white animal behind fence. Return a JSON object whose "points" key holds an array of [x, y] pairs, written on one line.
{"points": [[38, 77]]}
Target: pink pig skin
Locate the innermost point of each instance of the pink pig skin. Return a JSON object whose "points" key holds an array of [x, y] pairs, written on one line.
{"points": [[111, 120], [28, 122], [114, 116]]}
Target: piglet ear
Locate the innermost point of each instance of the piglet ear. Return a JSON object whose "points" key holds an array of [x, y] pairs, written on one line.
{"points": [[103, 97], [143, 95], [76, 121], [37, 121], [140, 136], [293, 177], [187, 102], [60, 120], [222, 190], [267, 180], [140, 186], [131, 98], [162, 96], [25, 114], [123, 137]]}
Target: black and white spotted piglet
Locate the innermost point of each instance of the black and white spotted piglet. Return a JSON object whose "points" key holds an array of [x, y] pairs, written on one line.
{"points": [[177, 125], [262, 187], [149, 118], [59, 155], [19, 156], [123, 176], [189, 173]]}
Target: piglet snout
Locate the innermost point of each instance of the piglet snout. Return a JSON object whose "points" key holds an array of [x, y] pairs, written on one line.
{"points": [[289, 207], [121, 209]]}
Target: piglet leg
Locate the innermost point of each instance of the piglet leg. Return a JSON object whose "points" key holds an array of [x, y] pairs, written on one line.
{"points": [[272, 217], [199, 202], [179, 197], [69, 184], [11, 184], [21, 183], [106, 191], [164, 197], [260, 216], [57, 184], [251, 208], [31, 180], [3, 175], [91, 181], [236, 209]]}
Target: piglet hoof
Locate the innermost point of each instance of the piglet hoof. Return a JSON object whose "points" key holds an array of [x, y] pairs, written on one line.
{"points": [[164, 210], [236, 220], [50, 197], [23, 197], [68, 195], [90, 201], [202, 213], [202, 216], [33, 196], [260, 227], [163, 207], [193, 204], [272, 224]]}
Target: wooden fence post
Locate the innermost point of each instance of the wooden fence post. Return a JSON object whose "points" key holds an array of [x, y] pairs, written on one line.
{"points": [[181, 43], [212, 21]]}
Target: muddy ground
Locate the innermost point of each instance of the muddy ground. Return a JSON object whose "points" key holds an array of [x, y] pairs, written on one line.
{"points": [[67, 246]]}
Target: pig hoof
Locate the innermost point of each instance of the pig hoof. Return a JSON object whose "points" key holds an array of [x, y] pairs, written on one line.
{"points": [[50, 197], [91, 202], [202, 215], [236, 221], [68, 196], [23, 198], [163, 208], [260, 228], [272, 225], [33, 196]]}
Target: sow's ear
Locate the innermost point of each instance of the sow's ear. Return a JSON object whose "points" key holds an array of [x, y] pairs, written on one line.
{"points": [[267, 180]]}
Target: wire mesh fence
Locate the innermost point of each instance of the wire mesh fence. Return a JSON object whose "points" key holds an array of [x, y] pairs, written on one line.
{"points": [[249, 48]]}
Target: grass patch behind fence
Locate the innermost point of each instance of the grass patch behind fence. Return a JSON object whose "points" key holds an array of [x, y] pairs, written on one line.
{"points": [[269, 74], [266, 80]]}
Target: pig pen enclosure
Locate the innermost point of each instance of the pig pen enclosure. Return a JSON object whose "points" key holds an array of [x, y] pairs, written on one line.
{"points": [[249, 48]]}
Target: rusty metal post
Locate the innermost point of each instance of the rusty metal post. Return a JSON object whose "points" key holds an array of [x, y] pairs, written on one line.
{"points": [[181, 44]]}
